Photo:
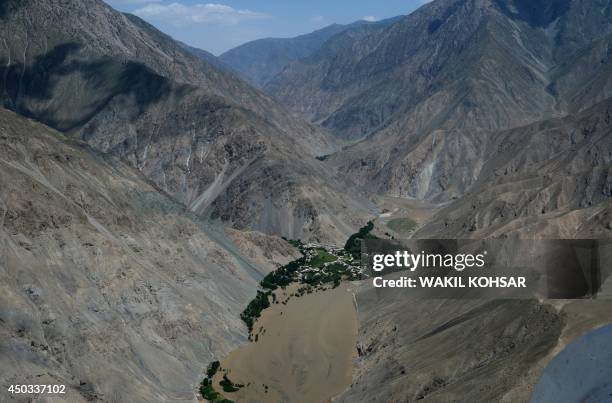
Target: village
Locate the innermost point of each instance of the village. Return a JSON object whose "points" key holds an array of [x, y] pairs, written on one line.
{"points": [[324, 263]]}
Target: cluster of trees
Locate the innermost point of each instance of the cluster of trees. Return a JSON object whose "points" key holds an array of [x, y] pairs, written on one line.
{"points": [[229, 386], [207, 390], [253, 310], [283, 276], [296, 243], [353, 244]]}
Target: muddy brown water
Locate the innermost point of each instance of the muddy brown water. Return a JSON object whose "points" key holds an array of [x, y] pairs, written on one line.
{"points": [[304, 351]]}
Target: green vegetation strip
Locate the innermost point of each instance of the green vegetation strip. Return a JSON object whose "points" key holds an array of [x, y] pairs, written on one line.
{"points": [[317, 267], [253, 310], [402, 225]]}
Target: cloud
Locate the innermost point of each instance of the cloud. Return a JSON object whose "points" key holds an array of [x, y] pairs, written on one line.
{"points": [[317, 19], [179, 14], [123, 2], [370, 18]]}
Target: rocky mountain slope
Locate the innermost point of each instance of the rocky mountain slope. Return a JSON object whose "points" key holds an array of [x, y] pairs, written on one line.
{"points": [[413, 349], [441, 351], [202, 135], [419, 92], [550, 179], [45, 54], [261, 60], [206, 56], [106, 285]]}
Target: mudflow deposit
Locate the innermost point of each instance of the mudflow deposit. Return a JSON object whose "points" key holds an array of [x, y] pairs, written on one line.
{"points": [[146, 189]]}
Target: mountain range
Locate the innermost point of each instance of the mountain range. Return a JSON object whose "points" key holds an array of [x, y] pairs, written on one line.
{"points": [[261, 60], [414, 95], [199, 133], [146, 185]]}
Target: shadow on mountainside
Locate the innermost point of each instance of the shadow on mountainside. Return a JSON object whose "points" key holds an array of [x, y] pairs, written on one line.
{"points": [[63, 90], [537, 13]]}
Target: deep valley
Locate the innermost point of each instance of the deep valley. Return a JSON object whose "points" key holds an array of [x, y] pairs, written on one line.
{"points": [[168, 216]]}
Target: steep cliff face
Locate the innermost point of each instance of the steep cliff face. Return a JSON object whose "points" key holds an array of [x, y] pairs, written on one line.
{"points": [[419, 92], [107, 285], [195, 130]]}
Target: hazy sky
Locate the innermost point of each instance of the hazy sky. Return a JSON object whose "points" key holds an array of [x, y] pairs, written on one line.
{"points": [[217, 27]]}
